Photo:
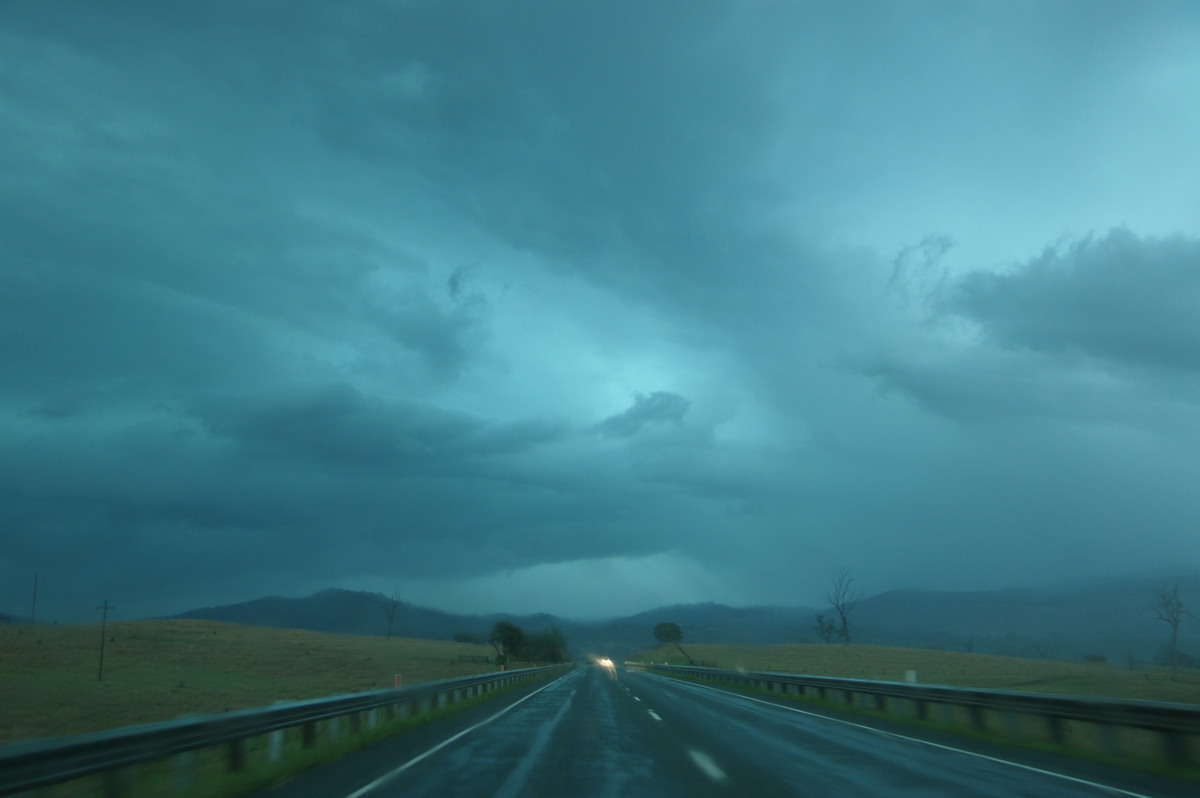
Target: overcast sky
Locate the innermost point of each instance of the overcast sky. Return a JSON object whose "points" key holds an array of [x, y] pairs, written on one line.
{"points": [[589, 307]]}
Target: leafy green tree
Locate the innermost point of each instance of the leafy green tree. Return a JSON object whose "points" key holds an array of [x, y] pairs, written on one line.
{"points": [[667, 632], [508, 639], [548, 645]]}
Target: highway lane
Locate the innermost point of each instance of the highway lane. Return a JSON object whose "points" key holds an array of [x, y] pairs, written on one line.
{"points": [[823, 753], [599, 732]]}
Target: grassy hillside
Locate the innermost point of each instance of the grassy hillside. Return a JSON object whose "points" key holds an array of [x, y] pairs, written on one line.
{"points": [[945, 667], [158, 670]]}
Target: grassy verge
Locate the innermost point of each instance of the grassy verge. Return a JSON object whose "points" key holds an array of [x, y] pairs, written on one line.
{"points": [[159, 670]]}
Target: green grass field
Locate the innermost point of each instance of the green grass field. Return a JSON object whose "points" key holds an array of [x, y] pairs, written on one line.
{"points": [[158, 670], [946, 667]]}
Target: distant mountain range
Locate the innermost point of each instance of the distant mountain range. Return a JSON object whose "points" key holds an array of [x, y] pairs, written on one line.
{"points": [[1113, 619]]}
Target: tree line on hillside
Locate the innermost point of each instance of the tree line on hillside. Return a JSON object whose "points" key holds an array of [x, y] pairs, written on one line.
{"points": [[514, 644]]}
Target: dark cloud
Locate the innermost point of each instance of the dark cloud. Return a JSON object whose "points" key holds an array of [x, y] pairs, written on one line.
{"points": [[1118, 299], [1103, 329], [653, 408], [338, 426], [335, 294]]}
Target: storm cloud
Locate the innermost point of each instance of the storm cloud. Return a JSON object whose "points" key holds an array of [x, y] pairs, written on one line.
{"points": [[699, 302], [651, 408]]}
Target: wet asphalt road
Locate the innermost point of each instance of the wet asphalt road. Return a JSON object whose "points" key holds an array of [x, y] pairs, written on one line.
{"points": [[605, 733]]}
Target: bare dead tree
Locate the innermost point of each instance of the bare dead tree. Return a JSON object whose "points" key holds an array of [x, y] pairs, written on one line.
{"points": [[1171, 611], [843, 598], [392, 606]]}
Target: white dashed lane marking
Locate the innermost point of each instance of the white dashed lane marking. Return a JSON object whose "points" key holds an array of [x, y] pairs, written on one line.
{"points": [[707, 766]]}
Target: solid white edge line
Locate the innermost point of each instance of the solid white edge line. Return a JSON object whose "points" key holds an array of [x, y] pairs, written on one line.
{"points": [[379, 782], [1031, 768]]}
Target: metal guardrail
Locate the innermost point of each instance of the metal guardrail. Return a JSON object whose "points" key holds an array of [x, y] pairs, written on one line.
{"points": [[1178, 725], [33, 764]]}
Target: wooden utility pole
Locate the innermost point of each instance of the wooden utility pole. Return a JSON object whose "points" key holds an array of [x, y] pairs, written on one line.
{"points": [[103, 623]]}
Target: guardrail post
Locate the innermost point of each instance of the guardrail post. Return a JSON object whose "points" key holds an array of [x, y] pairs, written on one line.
{"points": [[1054, 725], [117, 782], [182, 778], [1176, 748], [355, 722], [237, 754], [1011, 727], [309, 733], [1109, 739], [977, 718], [275, 746]]}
